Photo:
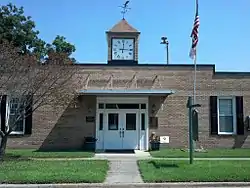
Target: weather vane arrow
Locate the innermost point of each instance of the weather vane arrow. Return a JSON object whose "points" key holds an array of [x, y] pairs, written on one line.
{"points": [[125, 8]]}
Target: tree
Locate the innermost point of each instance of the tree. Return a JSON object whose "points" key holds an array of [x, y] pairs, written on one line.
{"points": [[19, 29], [32, 85]]}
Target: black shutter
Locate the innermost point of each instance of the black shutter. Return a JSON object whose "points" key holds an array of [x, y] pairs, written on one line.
{"points": [[28, 115], [239, 115], [3, 112], [213, 115]]}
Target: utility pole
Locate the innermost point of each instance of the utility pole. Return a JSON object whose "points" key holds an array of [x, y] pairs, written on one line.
{"points": [[164, 40]]}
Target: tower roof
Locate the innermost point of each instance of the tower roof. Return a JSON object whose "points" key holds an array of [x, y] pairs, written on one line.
{"points": [[123, 26]]}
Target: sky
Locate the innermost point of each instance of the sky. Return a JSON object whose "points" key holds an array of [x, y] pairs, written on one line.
{"points": [[224, 32]]}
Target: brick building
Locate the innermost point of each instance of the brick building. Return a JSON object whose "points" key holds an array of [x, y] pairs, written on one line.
{"points": [[123, 101]]}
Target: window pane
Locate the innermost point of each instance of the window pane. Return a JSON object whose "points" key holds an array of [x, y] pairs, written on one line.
{"points": [[142, 121], [19, 125], [111, 106], [113, 121], [226, 124], [101, 105], [130, 121], [225, 107], [122, 106], [143, 106], [101, 121]]}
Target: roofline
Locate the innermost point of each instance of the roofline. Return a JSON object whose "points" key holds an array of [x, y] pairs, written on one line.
{"points": [[201, 66], [122, 32], [146, 65], [147, 92]]}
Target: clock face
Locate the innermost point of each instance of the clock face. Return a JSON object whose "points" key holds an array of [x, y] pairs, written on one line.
{"points": [[122, 49]]}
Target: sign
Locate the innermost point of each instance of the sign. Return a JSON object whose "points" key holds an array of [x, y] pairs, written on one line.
{"points": [[164, 139], [90, 119]]}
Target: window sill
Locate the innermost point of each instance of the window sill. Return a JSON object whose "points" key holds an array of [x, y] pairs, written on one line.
{"points": [[226, 134], [16, 133]]}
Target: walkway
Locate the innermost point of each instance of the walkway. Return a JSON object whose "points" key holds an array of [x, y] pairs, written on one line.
{"points": [[123, 167]]}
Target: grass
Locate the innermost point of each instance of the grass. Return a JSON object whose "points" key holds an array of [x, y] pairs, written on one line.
{"points": [[226, 153], [31, 153], [53, 171], [200, 171]]}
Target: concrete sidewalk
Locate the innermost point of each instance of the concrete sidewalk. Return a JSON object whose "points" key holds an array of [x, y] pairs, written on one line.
{"points": [[132, 185], [143, 158]]}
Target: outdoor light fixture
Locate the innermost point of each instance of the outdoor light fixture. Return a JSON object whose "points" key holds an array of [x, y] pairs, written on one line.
{"points": [[153, 109], [164, 40]]}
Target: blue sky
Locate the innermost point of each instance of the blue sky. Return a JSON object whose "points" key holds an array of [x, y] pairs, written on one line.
{"points": [[223, 39]]}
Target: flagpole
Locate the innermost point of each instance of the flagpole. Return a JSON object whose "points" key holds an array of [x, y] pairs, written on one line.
{"points": [[195, 69]]}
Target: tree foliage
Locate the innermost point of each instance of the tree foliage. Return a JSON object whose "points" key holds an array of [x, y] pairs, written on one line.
{"points": [[21, 31], [33, 84]]}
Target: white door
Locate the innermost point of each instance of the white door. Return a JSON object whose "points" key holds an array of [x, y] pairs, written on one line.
{"points": [[130, 130], [121, 130], [113, 134]]}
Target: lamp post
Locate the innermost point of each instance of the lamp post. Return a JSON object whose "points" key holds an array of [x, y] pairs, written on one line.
{"points": [[164, 40]]}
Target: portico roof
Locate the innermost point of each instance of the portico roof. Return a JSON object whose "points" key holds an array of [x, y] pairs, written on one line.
{"points": [[145, 92]]}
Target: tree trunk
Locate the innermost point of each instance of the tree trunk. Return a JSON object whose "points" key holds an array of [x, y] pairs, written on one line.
{"points": [[3, 146]]}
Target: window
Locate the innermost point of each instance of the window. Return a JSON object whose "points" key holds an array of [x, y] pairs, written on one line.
{"points": [[101, 121], [13, 117], [143, 121], [113, 121], [131, 121], [226, 115], [121, 106]]}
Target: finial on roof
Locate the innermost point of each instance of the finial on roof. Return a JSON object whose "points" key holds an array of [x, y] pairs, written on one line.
{"points": [[124, 9]]}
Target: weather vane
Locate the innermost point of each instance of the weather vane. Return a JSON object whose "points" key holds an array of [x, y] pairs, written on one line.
{"points": [[124, 8]]}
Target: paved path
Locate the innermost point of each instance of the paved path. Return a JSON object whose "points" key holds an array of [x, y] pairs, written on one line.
{"points": [[123, 171], [123, 167]]}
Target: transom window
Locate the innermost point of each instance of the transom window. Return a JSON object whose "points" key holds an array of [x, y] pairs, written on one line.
{"points": [[121, 106], [226, 115]]}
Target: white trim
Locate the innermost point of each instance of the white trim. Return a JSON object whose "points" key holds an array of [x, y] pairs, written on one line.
{"points": [[100, 135], [234, 115]]}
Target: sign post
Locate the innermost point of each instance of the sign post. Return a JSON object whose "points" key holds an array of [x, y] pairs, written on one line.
{"points": [[190, 107]]}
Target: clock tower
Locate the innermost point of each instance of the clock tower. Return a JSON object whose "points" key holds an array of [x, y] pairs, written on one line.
{"points": [[122, 44]]}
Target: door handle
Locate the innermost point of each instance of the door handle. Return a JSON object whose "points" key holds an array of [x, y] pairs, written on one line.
{"points": [[123, 132], [120, 132]]}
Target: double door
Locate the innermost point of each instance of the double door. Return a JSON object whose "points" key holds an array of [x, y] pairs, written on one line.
{"points": [[121, 129]]}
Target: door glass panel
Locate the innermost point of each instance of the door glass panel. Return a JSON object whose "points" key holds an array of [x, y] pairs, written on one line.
{"points": [[113, 121], [130, 121], [142, 121], [101, 121]]}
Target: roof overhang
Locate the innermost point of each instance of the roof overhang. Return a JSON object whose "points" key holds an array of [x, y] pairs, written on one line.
{"points": [[134, 92]]}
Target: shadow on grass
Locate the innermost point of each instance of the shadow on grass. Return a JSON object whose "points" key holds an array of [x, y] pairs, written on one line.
{"points": [[62, 150], [163, 165], [15, 157]]}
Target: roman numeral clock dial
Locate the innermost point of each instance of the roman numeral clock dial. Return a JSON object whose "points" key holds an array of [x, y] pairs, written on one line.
{"points": [[122, 49]]}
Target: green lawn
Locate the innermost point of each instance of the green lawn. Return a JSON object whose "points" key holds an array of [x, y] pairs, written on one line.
{"points": [[53, 171], [199, 171], [31, 153], [168, 153]]}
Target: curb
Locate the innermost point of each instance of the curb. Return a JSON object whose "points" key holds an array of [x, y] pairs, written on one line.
{"points": [[132, 185]]}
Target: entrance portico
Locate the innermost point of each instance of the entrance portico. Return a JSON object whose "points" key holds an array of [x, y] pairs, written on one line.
{"points": [[122, 117]]}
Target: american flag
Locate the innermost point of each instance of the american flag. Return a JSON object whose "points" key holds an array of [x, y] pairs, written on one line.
{"points": [[194, 34]]}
